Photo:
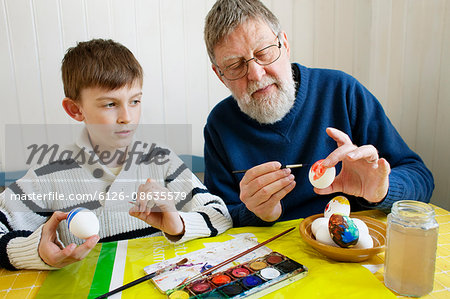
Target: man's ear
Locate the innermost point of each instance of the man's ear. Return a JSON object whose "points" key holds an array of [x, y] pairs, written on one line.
{"points": [[216, 70], [284, 41], [73, 109]]}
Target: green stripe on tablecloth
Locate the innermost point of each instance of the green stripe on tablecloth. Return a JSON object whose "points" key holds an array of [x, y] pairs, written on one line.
{"points": [[103, 271], [78, 275]]}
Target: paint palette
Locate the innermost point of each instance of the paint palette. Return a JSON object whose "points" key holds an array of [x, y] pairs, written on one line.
{"points": [[257, 277], [257, 273]]}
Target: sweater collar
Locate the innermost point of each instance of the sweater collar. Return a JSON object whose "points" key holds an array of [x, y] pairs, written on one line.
{"points": [[92, 160]]}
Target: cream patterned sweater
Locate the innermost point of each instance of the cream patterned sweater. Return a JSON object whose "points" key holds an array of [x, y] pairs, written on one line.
{"points": [[77, 181]]}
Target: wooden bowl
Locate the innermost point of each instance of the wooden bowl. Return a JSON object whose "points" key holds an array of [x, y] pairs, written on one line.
{"points": [[377, 231]]}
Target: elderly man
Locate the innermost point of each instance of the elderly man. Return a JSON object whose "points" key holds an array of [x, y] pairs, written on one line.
{"points": [[282, 113]]}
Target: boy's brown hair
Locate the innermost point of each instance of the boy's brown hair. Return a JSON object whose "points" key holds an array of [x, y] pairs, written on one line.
{"points": [[98, 63]]}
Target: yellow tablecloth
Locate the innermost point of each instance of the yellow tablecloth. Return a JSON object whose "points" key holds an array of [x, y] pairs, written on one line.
{"points": [[26, 283]]}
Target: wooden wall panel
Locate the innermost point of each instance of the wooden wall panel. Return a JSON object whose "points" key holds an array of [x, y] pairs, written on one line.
{"points": [[302, 39], [380, 44], [441, 148], [21, 22], [412, 74], [324, 33], [123, 23], [429, 70], [9, 111], [149, 54], [73, 22], [196, 71], [99, 19], [343, 35], [49, 45], [362, 49], [173, 61], [395, 99], [25, 62]]}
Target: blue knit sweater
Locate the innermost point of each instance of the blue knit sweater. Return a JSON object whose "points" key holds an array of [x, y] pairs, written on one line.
{"points": [[325, 98]]}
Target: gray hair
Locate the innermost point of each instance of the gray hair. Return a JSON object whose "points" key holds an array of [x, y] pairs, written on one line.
{"points": [[226, 15]]}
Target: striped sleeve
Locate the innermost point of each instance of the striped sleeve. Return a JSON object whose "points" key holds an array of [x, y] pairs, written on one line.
{"points": [[22, 251], [21, 221]]}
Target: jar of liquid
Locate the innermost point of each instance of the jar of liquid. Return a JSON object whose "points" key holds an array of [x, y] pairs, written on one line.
{"points": [[412, 233]]}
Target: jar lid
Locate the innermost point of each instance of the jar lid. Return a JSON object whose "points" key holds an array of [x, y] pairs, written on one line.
{"points": [[413, 210]]}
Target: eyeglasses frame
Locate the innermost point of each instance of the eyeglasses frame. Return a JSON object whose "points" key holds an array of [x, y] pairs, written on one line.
{"points": [[222, 74]]}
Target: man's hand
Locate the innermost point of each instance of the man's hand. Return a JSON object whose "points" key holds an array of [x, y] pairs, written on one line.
{"points": [[363, 173], [53, 253], [262, 188], [167, 219]]}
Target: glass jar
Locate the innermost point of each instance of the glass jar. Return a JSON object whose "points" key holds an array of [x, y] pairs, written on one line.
{"points": [[412, 233]]}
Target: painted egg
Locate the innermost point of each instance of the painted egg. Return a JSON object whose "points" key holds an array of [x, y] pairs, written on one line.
{"points": [[338, 205], [343, 230], [82, 223], [321, 177], [365, 241], [323, 236], [318, 222]]}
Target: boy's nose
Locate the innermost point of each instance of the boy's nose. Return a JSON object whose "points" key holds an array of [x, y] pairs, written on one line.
{"points": [[255, 71], [124, 116]]}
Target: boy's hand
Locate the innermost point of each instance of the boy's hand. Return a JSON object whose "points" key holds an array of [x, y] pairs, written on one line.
{"points": [[166, 218], [53, 253]]}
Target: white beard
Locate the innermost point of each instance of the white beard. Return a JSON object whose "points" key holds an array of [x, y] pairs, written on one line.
{"points": [[271, 108]]}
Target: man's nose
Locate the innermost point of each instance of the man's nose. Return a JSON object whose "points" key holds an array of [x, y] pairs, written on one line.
{"points": [[255, 71]]}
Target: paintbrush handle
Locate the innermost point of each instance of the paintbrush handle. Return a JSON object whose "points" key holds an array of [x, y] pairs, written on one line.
{"points": [[282, 166], [142, 279], [128, 285]]}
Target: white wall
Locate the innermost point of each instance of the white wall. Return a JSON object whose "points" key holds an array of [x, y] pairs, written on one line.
{"points": [[399, 49]]}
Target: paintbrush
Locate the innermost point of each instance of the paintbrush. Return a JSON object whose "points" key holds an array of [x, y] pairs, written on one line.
{"points": [[282, 166], [183, 284], [143, 278]]}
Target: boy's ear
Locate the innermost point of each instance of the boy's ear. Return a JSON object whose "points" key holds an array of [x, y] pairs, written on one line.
{"points": [[73, 109]]}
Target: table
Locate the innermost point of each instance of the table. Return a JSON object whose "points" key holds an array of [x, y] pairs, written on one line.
{"points": [[30, 283]]}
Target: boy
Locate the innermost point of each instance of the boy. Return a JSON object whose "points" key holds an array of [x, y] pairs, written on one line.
{"points": [[103, 88]]}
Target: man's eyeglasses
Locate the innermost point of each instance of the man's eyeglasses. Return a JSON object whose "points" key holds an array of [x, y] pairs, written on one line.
{"points": [[265, 56]]}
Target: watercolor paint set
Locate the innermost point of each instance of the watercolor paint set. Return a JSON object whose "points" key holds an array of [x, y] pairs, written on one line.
{"points": [[256, 273], [254, 278]]}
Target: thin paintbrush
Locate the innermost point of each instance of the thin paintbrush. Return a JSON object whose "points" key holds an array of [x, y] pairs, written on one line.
{"points": [[282, 166], [142, 279], [182, 285]]}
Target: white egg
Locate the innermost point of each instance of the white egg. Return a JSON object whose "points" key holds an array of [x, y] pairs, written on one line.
{"points": [[323, 236], [362, 227], [82, 223], [365, 241], [338, 205], [321, 177], [318, 222]]}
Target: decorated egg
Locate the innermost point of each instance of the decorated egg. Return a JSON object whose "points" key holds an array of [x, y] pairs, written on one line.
{"points": [[319, 222], [82, 223], [343, 230], [338, 205], [321, 177]]}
